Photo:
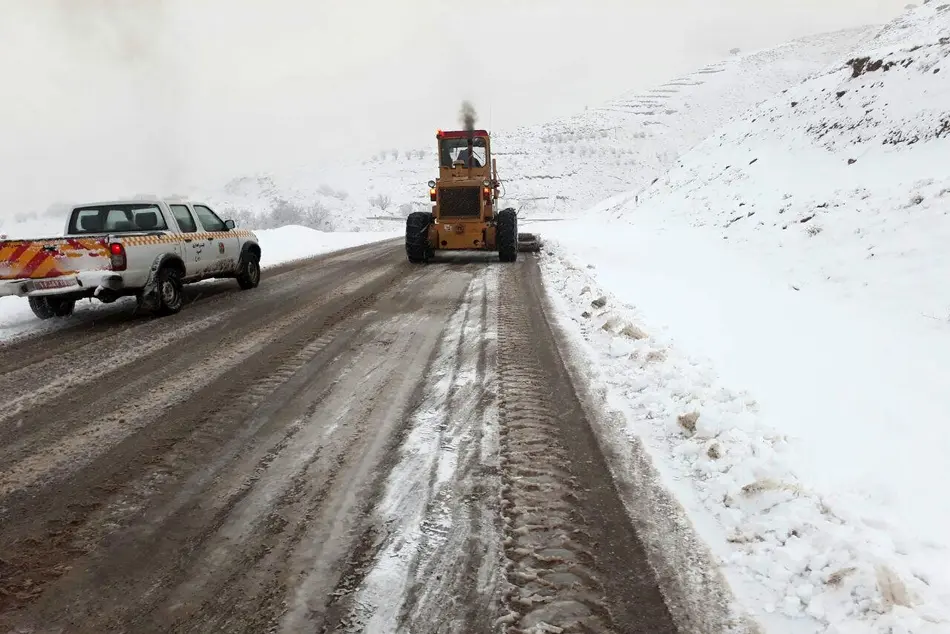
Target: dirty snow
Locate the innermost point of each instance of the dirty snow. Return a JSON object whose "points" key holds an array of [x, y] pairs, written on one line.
{"points": [[286, 244], [425, 507], [776, 327]]}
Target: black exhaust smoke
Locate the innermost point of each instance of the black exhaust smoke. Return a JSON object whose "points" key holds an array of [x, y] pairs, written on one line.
{"points": [[468, 116]]}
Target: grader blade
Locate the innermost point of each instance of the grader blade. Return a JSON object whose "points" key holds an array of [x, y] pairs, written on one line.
{"points": [[529, 242]]}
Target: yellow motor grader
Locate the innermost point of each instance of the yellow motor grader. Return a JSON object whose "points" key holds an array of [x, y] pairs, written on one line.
{"points": [[464, 213]]}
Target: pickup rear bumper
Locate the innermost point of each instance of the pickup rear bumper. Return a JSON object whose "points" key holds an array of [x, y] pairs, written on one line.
{"points": [[84, 284]]}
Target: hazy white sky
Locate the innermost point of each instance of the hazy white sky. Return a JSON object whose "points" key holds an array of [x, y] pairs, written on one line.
{"points": [[107, 97]]}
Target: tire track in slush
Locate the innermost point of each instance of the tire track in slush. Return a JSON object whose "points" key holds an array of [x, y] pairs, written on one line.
{"points": [[268, 516], [435, 568], [550, 570], [337, 532], [574, 562], [122, 350], [189, 433], [90, 440], [268, 526], [469, 500]]}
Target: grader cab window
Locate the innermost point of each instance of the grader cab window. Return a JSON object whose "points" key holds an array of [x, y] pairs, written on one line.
{"points": [[459, 152]]}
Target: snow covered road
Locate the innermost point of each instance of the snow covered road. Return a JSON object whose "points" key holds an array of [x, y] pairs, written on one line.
{"points": [[359, 445]]}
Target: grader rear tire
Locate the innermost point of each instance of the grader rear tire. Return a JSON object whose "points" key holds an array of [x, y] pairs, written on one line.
{"points": [[507, 235], [417, 237]]}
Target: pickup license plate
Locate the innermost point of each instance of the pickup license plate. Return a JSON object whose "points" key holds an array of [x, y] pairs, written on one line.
{"points": [[42, 285]]}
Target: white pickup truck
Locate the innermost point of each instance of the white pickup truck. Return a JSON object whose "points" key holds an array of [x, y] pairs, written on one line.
{"points": [[143, 248]]}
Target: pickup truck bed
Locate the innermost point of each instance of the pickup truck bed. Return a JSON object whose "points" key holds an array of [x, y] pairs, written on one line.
{"points": [[48, 258]]}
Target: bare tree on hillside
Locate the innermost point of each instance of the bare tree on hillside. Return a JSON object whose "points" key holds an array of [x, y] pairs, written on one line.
{"points": [[382, 201]]}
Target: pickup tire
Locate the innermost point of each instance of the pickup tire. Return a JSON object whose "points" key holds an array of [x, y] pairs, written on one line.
{"points": [[171, 295], [249, 271], [46, 307]]}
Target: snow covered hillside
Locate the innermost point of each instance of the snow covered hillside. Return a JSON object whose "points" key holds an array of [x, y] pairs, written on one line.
{"points": [[773, 318], [556, 168]]}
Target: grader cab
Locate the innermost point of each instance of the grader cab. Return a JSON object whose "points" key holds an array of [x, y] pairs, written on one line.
{"points": [[465, 214]]}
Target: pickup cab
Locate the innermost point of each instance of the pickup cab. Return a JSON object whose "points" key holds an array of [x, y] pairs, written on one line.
{"points": [[143, 248]]}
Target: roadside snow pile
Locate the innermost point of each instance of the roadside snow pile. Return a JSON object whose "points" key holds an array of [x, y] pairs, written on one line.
{"points": [[33, 226], [286, 244], [358, 200], [800, 254], [815, 489]]}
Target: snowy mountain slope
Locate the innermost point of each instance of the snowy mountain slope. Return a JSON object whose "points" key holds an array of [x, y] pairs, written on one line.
{"points": [[798, 254], [626, 144], [850, 165], [558, 167]]}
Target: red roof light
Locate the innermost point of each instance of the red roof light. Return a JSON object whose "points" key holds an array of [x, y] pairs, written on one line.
{"points": [[462, 134]]}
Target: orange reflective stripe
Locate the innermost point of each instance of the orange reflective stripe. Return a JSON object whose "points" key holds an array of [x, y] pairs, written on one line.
{"points": [[44, 267]]}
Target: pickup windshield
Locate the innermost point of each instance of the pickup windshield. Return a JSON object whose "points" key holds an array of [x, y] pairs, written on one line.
{"points": [[116, 218]]}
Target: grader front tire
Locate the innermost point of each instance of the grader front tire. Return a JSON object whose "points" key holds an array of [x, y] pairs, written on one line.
{"points": [[417, 237], [507, 235]]}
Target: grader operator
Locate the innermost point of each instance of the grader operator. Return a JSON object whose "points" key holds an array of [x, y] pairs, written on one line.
{"points": [[464, 213]]}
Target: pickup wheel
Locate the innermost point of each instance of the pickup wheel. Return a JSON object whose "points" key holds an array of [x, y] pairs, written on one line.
{"points": [[170, 291], [48, 307], [249, 274]]}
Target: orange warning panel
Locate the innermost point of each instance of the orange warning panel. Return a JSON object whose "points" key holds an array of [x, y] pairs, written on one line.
{"points": [[53, 257]]}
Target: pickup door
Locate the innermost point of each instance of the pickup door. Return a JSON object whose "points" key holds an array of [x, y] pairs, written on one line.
{"points": [[225, 245], [196, 250]]}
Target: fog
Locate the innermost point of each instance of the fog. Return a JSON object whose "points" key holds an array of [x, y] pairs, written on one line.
{"points": [[105, 98]]}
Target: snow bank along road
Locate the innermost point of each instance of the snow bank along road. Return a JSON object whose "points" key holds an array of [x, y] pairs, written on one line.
{"points": [[359, 445]]}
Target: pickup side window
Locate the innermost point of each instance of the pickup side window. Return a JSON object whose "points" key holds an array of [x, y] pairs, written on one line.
{"points": [[117, 218], [186, 222], [209, 220]]}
